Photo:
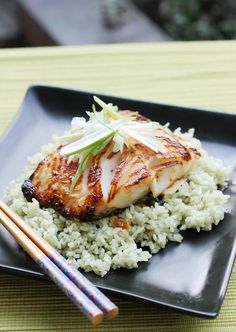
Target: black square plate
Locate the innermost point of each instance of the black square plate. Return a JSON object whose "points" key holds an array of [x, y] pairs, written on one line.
{"points": [[191, 276]]}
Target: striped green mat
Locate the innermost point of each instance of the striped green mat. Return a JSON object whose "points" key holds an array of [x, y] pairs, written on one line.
{"points": [[201, 74]]}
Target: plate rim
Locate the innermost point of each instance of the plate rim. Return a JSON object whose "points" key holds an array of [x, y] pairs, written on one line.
{"points": [[35, 274]]}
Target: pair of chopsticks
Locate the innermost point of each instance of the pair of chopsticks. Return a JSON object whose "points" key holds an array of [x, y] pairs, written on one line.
{"points": [[93, 303]]}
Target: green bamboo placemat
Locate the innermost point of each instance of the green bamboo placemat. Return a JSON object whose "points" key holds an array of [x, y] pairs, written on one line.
{"points": [[201, 74]]}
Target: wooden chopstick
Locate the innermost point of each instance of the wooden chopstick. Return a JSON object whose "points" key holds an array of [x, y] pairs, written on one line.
{"points": [[107, 306], [50, 261]]}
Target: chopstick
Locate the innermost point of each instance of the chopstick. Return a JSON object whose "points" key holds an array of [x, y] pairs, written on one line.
{"points": [[86, 296], [65, 284]]}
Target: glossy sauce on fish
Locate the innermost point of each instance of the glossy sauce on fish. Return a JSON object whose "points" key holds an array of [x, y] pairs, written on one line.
{"points": [[112, 180]]}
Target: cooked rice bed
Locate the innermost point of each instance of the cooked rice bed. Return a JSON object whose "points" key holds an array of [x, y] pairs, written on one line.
{"points": [[100, 246]]}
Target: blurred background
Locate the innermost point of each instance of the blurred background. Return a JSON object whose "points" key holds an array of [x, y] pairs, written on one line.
{"points": [[76, 22]]}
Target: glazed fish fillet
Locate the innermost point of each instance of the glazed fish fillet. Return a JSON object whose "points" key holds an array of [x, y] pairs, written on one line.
{"points": [[112, 180]]}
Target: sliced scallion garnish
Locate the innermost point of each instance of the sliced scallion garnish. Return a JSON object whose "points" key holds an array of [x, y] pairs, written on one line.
{"points": [[68, 137], [86, 155], [83, 162], [108, 109], [90, 138]]}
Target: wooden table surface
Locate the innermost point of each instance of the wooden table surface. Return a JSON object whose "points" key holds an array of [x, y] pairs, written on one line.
{"points": [[201, 74]]}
